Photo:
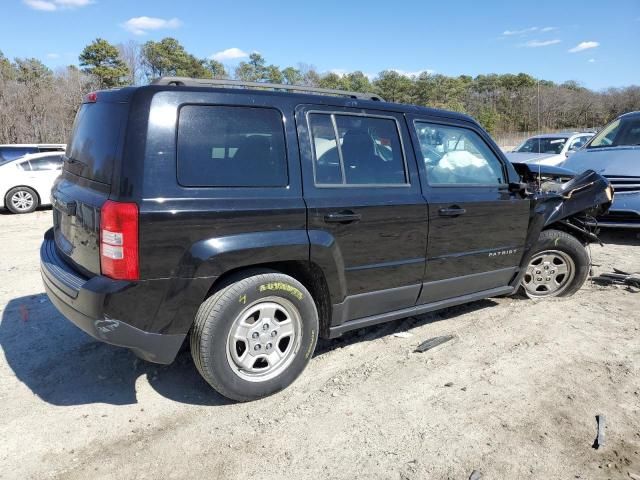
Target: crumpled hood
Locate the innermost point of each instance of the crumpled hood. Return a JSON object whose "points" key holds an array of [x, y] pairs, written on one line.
{"points": [[609, 161], [587, 193]]}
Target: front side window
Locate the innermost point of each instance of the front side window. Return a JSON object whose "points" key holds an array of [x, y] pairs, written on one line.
{"points": [[25, 166], [222, 146], [576, 143], [454, 155], [356, 150], [53, 162]]}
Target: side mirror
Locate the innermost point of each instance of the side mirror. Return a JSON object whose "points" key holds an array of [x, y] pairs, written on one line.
{"points": [[569, 152], [517, 187]]}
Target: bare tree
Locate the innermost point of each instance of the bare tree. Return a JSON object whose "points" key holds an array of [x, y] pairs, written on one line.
{"points": [[130, 53]]}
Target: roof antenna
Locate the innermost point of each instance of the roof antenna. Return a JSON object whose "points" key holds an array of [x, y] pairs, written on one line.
{"points": [[539, 143]]}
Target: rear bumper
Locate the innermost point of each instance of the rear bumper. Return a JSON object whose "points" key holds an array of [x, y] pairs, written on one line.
{"points": [[81, 300]]}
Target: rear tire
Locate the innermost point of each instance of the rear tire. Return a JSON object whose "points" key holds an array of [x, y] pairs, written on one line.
{"points": [[21, 200], [255, 336], [559, 266]]}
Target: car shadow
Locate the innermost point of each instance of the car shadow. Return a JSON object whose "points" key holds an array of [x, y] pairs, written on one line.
{"points": [[400, 325], [5, 211], [64, 366], [620, 237]]}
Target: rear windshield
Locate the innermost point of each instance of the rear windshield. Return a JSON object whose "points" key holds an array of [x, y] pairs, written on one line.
{"points": [[95, 140]]}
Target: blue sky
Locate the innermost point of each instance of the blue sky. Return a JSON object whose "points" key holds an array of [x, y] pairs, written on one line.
{"points": [[588, 41]]}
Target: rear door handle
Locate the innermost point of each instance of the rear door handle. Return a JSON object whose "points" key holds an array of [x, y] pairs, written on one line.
{"points": [[346, 216], [451, 212]]}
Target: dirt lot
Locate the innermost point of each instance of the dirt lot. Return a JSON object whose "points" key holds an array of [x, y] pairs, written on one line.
{"points": [[514, 396]]}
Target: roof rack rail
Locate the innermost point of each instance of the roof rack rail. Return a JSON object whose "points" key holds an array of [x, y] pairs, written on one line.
{"points": [[206, 82]]}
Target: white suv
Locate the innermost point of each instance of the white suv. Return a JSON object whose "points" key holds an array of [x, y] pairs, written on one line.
{"points": [[25, 183], [548, 149]]}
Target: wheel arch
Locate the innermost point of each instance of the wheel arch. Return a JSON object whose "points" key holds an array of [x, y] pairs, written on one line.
{"points": [[306, 272]]}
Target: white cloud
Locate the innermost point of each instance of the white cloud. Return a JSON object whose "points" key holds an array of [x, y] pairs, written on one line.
{"points": [[41, 5], [73, 3], [526, 31], [142, 25], [539, 43], [406, 73], [229, 54], [584, 46], [52, 5], [592, 60], [53, 56]]}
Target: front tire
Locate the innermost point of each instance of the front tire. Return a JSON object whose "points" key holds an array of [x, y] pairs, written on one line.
{"points": [[21, 200], [559, 266], [255, 336]]}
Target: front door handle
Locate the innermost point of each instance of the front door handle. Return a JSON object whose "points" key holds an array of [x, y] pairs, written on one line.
{"points": [[345, 216], [451, 212]]}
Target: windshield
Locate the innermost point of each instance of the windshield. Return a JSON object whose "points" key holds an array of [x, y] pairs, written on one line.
{"points": [[623, 131], [11, 153], [543, 145]]}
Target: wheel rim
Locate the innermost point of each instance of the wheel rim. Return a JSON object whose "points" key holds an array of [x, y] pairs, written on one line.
{"points": [[22, 200], [264, 339], [549, 274]]}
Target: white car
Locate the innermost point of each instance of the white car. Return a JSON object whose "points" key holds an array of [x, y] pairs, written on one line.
{"points": [[12, 151], [25, 183], [548, 149]]}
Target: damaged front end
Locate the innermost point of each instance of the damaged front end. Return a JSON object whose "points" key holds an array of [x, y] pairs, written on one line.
{"points": [[570, 205]]}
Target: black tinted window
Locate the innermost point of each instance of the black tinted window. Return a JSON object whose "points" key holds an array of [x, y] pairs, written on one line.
{"points": [[231, 147], [367, 150], [95, 140], [327, 157]]}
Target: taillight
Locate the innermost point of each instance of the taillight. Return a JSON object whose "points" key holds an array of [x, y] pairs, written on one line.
{"points": [[119, 240], [91, 97]]}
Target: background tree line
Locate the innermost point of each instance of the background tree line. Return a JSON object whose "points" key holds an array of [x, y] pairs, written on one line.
{"points": [[38, 104]]}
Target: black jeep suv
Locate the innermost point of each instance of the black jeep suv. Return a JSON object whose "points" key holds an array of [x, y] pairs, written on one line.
{"points": [[255, 218]]}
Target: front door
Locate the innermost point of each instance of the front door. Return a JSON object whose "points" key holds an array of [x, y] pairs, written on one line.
{"points": [[477, 226], [364, 202]]}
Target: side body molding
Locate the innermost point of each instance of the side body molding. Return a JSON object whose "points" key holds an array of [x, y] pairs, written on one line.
{"points": [[325, 253]]}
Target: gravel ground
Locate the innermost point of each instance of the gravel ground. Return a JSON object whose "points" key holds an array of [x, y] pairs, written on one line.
{"points": [[513, 396]]}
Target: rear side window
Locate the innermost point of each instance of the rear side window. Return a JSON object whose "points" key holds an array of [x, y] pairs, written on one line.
{"points": [[95, 140], [356, 150], [223, 146]]}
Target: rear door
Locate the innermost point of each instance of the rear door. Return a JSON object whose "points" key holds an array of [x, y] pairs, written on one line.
{"points": [[363, 197], [42, 174], [477, 228], [85, 183]]}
